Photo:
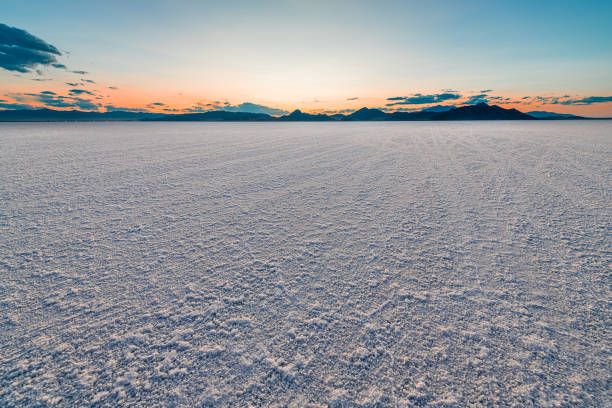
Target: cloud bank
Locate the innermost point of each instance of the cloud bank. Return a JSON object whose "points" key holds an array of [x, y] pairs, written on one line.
{"points": [[51, 99]]}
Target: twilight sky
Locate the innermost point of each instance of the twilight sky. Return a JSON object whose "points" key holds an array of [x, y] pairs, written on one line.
{"points": [[275, 56]]}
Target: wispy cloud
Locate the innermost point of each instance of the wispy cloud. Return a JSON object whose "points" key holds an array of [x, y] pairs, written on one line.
{"points": [[341, 111], [80, 92], [195, 109]]}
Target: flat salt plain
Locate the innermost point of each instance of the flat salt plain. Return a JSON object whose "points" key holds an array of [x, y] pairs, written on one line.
{"points": [[306, 264]]}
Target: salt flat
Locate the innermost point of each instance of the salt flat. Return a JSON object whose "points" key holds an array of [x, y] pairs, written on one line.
{"points": [[306, 264]]}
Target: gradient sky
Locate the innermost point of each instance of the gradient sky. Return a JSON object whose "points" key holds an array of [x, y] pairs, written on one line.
{"points": [[317, 56]]}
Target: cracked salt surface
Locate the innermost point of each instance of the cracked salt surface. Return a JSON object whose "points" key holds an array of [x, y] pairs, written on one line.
{"points": [[315, 264]]}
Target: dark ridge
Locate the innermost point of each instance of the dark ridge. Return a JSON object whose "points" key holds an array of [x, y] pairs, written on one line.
{"points": [[367, 114], [439, 108], [482, 111], [52, 115], [420, 115], [216, 116], [553, 115], [299, 116]]}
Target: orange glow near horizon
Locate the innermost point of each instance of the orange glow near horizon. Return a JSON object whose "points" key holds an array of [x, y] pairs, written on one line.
{"points": [[163, 99]]}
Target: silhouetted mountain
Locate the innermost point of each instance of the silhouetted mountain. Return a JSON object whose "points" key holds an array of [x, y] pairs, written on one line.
{"points": [[216, 116], [367, 114], [419, 115], [439, 108], [482, 111], [299, 116], [552, 115], [52, 115]]}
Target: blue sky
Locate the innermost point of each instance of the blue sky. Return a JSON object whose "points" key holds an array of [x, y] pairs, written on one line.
{"points": [[316, 55]]}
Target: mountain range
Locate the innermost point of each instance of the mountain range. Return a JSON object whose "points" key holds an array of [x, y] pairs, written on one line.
{"points": [[552, 115], [481, 111]]}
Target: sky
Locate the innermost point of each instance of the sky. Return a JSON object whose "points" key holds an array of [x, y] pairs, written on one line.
{"points": [[317, 56]]}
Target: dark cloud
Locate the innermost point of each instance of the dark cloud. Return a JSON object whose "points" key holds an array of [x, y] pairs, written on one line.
{"points": [[73, 83], [12, 36], [67, 102], [80, 72], [341, 111], [567, 100], [589, 100], [4, 105], [113, 87], [88, 80], [486, 91], [22, 52], [156, 105], [59, 66], [57, 101], [480, 98], [352, 99], [194, 109], [407, 109], [80, 92], [420, 99], [41, 79], [553, 100]]}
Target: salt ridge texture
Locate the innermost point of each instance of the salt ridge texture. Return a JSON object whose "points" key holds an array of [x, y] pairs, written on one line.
{"points": [[318, 264]]}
